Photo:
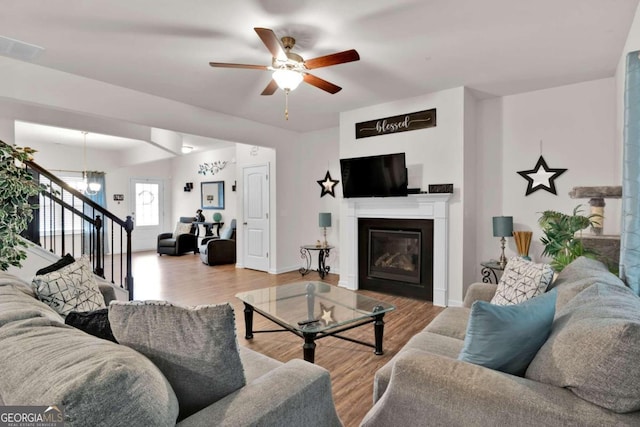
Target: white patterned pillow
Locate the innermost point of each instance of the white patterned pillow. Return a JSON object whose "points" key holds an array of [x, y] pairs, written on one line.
{"points": [[522, 280], [181, 228], [72, 288]]}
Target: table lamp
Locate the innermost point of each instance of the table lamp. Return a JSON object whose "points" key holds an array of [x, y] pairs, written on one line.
{"points": [[324, 221], [502, 227]]}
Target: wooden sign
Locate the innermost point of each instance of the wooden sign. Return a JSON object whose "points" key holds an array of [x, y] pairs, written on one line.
{"points": [[396, 124]]}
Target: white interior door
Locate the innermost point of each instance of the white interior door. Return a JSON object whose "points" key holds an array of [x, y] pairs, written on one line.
{"points": [[147, 212], [256, 217]]}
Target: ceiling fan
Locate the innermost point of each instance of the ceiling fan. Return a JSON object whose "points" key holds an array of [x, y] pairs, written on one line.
{"points": [[290, 69]]}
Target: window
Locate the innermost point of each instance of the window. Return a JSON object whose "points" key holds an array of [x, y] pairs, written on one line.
{"points": [[147, 204], [53, 218]]}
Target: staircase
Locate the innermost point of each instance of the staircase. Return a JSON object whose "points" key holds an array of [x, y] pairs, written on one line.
{"points": [[66, 221]]}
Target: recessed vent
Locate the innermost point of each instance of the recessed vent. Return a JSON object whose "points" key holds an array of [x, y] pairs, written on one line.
{"points": [[19, 50]]}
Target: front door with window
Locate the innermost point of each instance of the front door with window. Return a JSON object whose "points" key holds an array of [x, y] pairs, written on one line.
{"points": [[147, 212]]}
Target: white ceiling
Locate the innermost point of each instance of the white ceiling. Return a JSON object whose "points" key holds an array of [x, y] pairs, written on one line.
{"points": [[30, 133], [407, 47]]}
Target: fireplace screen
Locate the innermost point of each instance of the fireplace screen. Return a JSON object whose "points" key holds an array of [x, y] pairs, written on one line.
{"points": [[394, 255]]}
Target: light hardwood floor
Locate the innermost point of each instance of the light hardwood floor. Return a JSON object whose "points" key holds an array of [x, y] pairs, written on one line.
{"points": [[185, 280]]}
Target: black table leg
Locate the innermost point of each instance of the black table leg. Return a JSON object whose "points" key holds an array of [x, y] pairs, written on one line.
{"points": [[248, 321], [306, 256], [378, 327], [309, 347], [321, 269]]}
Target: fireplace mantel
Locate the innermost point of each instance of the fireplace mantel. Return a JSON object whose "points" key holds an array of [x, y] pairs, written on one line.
{"points": [[414, 206]]}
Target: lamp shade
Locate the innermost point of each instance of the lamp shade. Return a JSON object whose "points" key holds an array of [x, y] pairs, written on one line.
{"points": [[502, 226], [324, 219]]}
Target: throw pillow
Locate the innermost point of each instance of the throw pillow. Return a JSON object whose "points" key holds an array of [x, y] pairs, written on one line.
{"points": [[62, 262], [522, 280], [594, 348], [226, 233], [507, 338], [72, 288], [195, 348], [94, 323], [181, 228]]}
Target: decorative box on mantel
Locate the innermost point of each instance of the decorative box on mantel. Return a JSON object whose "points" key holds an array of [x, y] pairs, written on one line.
{"points": [[414, 206]]}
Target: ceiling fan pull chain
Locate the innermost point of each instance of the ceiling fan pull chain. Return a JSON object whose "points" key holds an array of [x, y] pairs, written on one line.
{"points": [[286, 104]]}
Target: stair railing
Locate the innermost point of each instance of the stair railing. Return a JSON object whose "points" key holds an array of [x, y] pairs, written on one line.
{"points": [[67, 221]]}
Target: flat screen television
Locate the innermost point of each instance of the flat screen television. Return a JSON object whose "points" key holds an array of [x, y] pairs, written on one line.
{"points": [[374, 176]]}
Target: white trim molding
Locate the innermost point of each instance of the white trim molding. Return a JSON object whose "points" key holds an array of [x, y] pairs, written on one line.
{"points": [[414, 206]]}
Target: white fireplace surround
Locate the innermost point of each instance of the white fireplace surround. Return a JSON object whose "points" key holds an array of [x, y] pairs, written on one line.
{"points": [[415, 206]]}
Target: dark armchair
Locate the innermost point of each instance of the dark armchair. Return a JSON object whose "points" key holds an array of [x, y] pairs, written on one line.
{"points": [[183, 242], [222, 250]]}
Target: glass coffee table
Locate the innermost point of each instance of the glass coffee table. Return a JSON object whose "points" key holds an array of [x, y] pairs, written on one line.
{"points": [[314, 310]]}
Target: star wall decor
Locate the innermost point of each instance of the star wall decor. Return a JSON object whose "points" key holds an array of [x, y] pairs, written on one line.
{"points": [[327, 185], [541, 179]]}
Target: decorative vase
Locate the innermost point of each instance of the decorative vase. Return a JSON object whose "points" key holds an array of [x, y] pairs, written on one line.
{"points": [[523, 242]]}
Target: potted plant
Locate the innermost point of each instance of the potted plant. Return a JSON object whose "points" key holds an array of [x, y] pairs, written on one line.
{"points": [[16, 187], [560, 241]]}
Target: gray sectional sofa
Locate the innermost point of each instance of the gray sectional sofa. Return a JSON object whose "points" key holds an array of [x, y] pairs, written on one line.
{"points": [[586, 374], [45, 362]]}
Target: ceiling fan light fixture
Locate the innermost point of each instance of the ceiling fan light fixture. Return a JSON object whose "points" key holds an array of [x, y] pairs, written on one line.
{"points": [[287, 79]]}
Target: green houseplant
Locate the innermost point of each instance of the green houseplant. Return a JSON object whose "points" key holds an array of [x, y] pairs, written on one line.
{"points": [[560, 241], [16, 187]]}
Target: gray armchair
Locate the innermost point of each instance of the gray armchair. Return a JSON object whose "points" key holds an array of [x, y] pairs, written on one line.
{"points": [[181, 244], [222, 250]]}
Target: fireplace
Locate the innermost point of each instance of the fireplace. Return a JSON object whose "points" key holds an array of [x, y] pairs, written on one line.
{"points": [[415, 207], [396, 256]]}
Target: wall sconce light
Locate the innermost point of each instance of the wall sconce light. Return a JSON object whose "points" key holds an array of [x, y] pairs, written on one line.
{"points": [[188, 186]]}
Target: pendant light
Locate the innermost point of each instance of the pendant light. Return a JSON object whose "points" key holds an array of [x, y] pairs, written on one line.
{"points": [[85, 187]]}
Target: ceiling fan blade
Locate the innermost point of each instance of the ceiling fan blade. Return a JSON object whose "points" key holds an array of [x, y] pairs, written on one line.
{"points": [[226, 65], [271, 88], [272, 43], [321, 84], [333, 59]]}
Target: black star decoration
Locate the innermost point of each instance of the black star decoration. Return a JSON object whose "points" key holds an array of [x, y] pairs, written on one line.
{"points": [[541, 180], [327, 185]]}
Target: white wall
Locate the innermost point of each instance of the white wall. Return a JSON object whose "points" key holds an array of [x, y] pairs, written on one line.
{"points": [[576, 125], [468, 190], [119, 182], [317, 154], [437, 154], [185, 169]]}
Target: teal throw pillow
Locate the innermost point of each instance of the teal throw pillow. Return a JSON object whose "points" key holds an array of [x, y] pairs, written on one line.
{"points": [[507, 337]]}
